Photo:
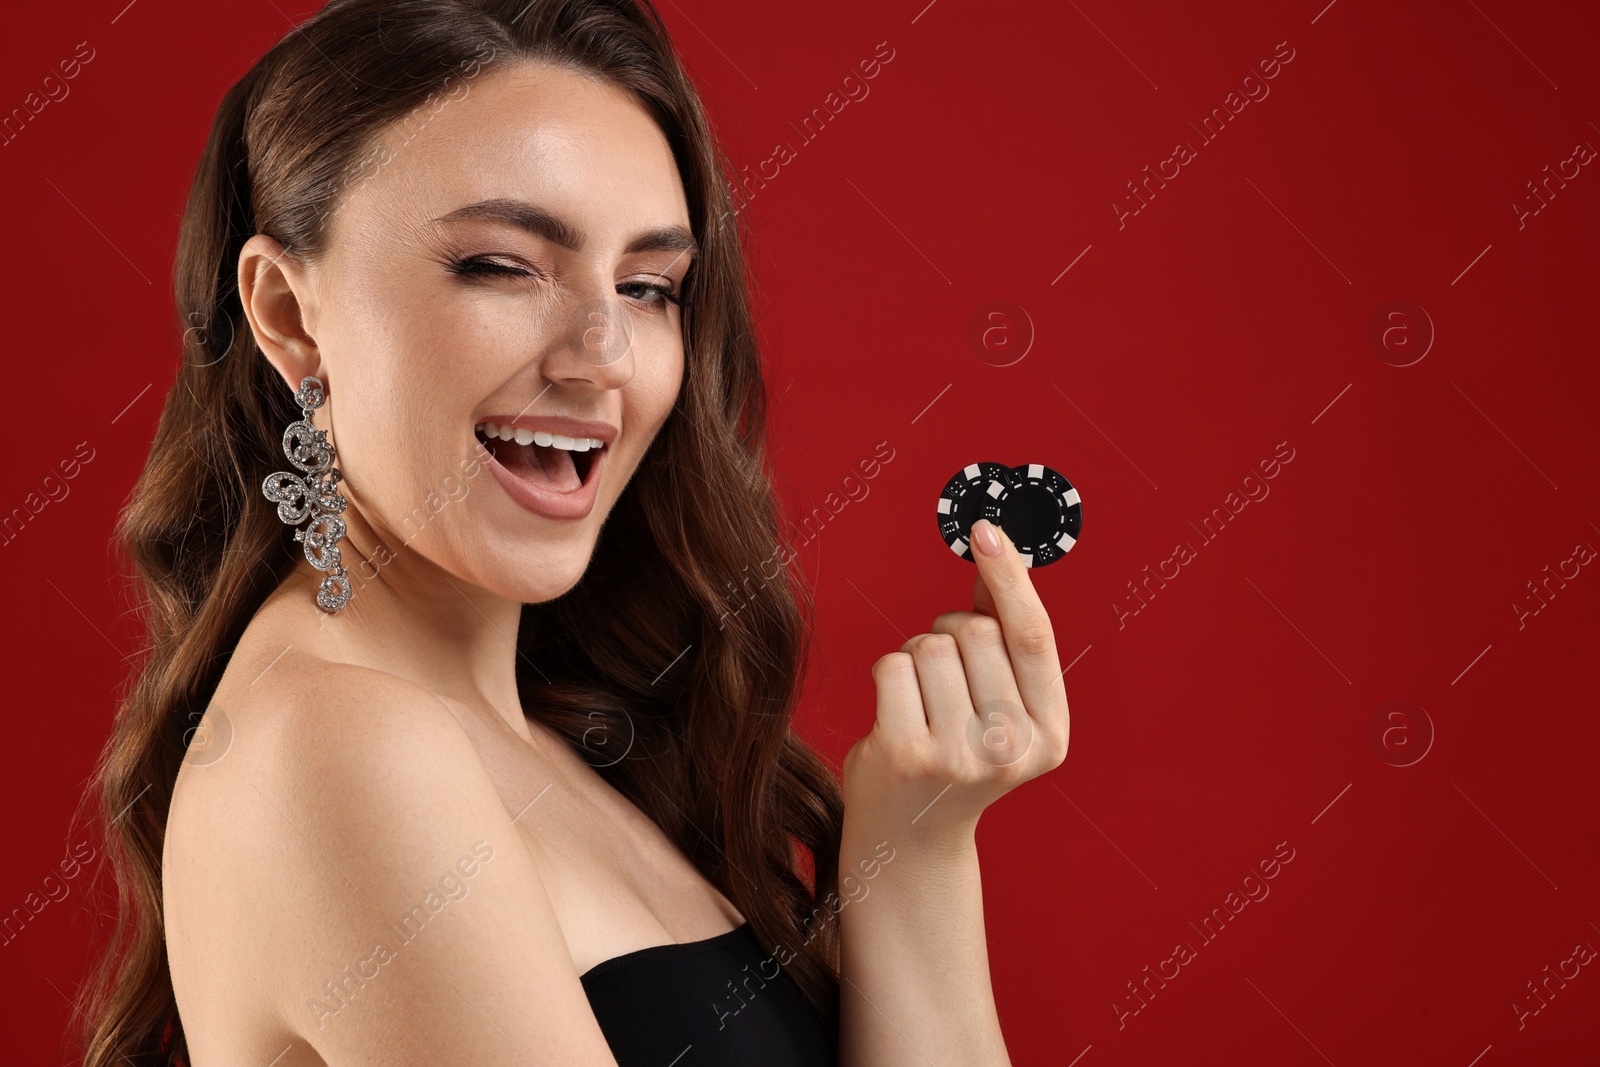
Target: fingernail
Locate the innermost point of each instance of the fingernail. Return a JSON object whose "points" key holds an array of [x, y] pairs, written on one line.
{"points": [[985, 538]]}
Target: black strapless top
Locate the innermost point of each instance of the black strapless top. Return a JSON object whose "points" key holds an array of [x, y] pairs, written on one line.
{"points": [[719, 1002]]}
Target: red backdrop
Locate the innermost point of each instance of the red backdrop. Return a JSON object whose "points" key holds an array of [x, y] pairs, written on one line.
{"points": [[943, 266]]}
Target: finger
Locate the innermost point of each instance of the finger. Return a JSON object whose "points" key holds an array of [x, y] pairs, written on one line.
{"points": [[984, 658], [943, 684], [982, 599], [901, 719], [1029, 635], [1002, 731]]}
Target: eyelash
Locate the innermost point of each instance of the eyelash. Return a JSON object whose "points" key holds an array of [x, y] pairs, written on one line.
{"points": [[477, 265]]}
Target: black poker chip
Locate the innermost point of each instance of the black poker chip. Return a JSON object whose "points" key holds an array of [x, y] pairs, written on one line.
{"points": [[963, 500], [1039, 510]]}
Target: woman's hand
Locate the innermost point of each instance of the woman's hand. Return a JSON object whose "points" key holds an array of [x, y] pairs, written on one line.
{"points": [[966, 712]]}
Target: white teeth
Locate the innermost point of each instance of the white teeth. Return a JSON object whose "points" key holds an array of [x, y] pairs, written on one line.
{"points": [[524, 436]]}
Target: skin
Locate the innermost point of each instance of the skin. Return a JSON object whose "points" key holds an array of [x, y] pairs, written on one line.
{"points": [[350, 765], [966, 712]]}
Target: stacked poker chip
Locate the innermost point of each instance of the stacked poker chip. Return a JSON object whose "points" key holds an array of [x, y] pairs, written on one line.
{"points": [[1038, 509]]}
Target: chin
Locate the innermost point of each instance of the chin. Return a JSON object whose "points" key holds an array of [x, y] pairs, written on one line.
{"points": [[536, 571]]}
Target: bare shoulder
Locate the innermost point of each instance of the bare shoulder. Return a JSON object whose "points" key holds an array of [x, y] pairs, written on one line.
{"points": [[344, 866], [326, 740], [313, 721]]}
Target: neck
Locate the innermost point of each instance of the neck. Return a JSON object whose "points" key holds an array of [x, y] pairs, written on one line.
{"points": [[412, 619]]}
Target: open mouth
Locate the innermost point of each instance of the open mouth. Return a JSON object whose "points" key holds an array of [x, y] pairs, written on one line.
{"points": [[551, 461]]}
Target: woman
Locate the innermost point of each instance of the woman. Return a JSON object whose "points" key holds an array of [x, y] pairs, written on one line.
{"points": [[454, 741]]}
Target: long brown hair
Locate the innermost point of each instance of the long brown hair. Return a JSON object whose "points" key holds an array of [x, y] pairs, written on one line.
{"points": [[649, 653]]}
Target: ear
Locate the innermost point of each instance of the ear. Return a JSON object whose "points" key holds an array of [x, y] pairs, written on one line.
{"points": [[275, 290]]}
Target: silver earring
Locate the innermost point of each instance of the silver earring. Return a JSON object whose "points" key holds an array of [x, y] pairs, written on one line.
{"points": [[312, 495]]}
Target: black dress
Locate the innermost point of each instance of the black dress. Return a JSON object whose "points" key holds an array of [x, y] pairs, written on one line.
{"points": [[719, 1002]]}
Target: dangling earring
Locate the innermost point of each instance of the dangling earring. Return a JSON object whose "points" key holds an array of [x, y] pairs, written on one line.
{"points": [[313, 496]]}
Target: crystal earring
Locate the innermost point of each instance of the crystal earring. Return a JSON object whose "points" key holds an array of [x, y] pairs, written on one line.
{"points": [[313, 495]]}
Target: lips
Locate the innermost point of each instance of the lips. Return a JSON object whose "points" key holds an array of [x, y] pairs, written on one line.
{"points": [[553, 482]]}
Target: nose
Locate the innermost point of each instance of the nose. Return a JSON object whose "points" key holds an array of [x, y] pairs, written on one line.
{"points": [[596, 343]]}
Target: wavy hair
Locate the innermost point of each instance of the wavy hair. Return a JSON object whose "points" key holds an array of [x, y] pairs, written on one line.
{"points": [[644, 654]]}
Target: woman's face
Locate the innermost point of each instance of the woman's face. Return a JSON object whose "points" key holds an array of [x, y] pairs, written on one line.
{"points": [[508, 259]]}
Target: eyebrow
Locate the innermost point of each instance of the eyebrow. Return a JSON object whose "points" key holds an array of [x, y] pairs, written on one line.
{"points": [[551, 227]]}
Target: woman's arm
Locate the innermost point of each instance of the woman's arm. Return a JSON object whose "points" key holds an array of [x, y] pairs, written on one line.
{"points": [[914, 964], [966, 712]]}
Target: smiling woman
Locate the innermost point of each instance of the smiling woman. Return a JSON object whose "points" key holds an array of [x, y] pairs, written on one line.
{"points": [[538, 279], [492, 236]]}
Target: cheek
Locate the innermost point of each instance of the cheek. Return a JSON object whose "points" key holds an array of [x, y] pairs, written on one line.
{"points": [[658, 377], [649, 395], [422, 350], [397, 464], [408, 380], [659, 346]]}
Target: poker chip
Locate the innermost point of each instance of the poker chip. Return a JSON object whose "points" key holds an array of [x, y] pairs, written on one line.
{"points": [[1038, 509], [963, 501]]}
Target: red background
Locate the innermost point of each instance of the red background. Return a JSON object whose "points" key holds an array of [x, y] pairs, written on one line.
{"points": [[1230, 714]]}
